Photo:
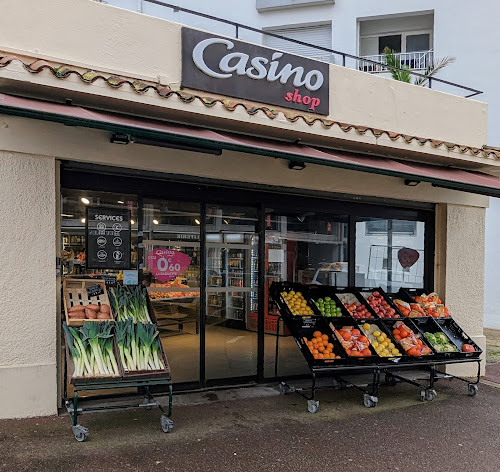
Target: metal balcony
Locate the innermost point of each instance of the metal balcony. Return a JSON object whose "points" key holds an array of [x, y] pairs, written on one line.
{"points": [[417, 61]]}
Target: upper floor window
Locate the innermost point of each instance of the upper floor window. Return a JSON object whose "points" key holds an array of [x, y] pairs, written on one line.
{"points": [[315, 35], [410, 37]]}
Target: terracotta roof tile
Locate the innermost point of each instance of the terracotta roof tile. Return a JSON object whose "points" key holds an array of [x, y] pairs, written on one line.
{"points": [[165, 92]]}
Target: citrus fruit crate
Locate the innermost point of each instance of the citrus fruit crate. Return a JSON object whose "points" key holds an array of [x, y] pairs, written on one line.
{"points": [[304, 334], [75, 294], [276, 290], [270, 324], [354, 336], [351, 296], [458, 336], [371, 333], [429, 325], [376, 293], [325, 292], [390, 325]]}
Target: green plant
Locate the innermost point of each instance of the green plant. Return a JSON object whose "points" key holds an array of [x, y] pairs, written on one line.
{"points": [[402, 72]]}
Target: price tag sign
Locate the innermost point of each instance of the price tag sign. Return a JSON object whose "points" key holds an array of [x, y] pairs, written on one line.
{"points": [[94, 290], [167, 264], [109, 279]]}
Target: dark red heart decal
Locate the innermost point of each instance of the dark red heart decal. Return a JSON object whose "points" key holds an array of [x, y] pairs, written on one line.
{"points": [[407, 257]]}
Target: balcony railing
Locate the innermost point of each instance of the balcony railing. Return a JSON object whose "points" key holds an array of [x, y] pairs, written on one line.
{"points": [[324, 54], [415, 61]]}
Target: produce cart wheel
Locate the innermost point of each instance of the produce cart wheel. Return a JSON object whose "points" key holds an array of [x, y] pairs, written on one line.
{"points": [[166, 424], [422, 395], [370, 401], [283, 388], [472, 389], [337, 384], [430, 395], [312, 406], [80, 432]]}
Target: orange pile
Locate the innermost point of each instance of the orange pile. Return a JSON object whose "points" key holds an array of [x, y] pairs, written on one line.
{"points": [[320, 346]]}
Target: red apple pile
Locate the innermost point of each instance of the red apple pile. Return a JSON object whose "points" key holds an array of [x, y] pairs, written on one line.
{"points": [[381, 307]]}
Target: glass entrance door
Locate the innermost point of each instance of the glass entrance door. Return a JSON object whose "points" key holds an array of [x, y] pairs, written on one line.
{"points": [[172, 261], [231, 292]]}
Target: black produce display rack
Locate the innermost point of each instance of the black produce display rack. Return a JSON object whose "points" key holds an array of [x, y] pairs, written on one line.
{"points": [[393, 370]]}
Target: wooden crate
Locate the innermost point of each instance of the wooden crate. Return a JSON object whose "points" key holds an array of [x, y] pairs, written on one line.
{"points": [[75, 293], [141, 374], [93, 379]]}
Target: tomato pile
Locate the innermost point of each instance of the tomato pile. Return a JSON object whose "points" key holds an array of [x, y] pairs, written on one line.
{"points": [[353, 341], [354, 307], [432, 305], [380, 306], [320, 346], [411, 310], [412, 345]]}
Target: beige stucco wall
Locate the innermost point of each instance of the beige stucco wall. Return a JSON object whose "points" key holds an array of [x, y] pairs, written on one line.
{"points": [[460, 233], [112, 45], [93, 146], [28, 315]]}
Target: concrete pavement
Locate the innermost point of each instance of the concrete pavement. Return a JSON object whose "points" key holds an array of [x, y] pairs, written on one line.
{"points": [[274, 433]]}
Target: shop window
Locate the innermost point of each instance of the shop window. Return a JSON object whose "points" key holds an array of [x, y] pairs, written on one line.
{"points": [[408, 228], [74, 204], [390, 254], [305, 247]]}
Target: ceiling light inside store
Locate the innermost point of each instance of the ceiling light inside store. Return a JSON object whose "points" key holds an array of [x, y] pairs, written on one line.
{"points": [[83, 220], [155, 222], [225, 221], [132, 222], [197, 221], [85, 200], [121, 202], [66, 215], [411, 183]]}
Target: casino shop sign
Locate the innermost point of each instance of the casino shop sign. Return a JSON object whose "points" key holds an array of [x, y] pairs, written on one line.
{"points": [[229, 67]]}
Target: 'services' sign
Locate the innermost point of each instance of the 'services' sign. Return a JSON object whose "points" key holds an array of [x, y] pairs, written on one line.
{"points": [[237, 69], [108, 238]]}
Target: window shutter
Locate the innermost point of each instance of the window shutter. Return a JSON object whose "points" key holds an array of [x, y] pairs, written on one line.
{"points": [[320, 35]]}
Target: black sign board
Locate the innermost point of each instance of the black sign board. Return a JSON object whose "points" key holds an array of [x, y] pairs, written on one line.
{"points": [[94, 290], [108, 240], [237, 69]]}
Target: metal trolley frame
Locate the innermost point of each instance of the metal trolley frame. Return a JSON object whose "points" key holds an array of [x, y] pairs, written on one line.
{"points": [[143, 386]]}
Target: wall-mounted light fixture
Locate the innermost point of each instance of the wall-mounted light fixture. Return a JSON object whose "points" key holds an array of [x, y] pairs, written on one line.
{"points": [[296, 165], [119, 138], [411, 183]]}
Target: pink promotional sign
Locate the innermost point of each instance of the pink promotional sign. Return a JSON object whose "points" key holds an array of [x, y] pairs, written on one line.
{"points": [[167, 264]]}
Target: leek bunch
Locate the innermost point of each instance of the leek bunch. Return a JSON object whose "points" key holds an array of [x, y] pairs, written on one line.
{"points": [[130, 301], [139, 346], [91, 348]]}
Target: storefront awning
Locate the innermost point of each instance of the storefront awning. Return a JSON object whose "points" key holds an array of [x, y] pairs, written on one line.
{"points": [[206, 140]]}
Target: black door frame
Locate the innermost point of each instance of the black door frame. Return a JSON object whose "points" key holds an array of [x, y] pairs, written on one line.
{"points": [[92, 178]]}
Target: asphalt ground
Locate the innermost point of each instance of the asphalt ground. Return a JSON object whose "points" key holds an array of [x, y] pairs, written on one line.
{"points": [[274, 433]]}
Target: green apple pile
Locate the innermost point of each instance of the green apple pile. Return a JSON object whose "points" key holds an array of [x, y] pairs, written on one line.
{"points": [[328, 307]]}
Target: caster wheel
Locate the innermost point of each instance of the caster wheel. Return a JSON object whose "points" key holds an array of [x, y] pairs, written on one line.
{"points": [[472, 389], [430, 395], [166, 424], [80, 433], [422, 395], [370, 401], [283, 389], [312, 406], [337, 384]]}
